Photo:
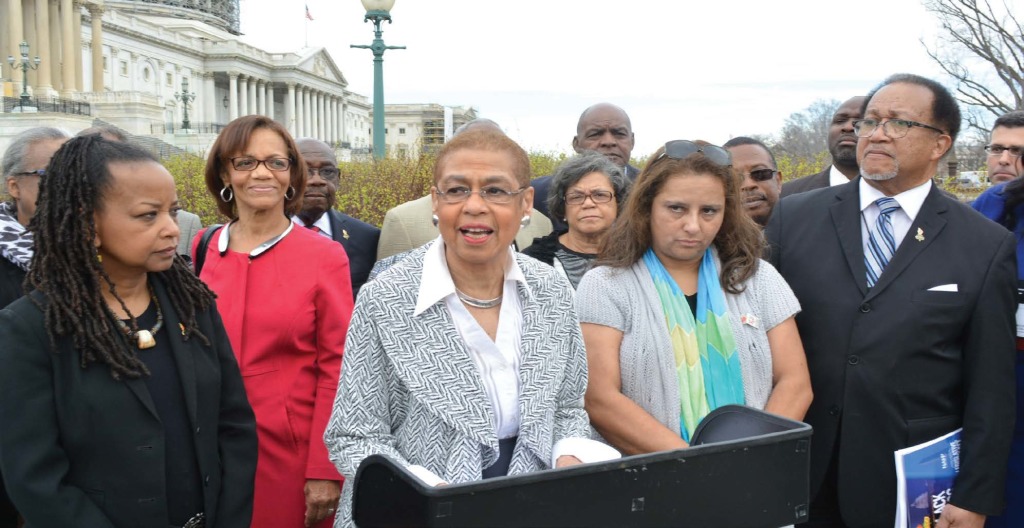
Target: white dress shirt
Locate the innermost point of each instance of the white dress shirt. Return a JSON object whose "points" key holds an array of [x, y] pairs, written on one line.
{"points": [[496, 360], [910, 202], [836, 178], [323, 223]]}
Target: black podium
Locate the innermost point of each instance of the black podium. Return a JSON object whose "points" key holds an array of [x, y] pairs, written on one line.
{"points": [[745, 468]]}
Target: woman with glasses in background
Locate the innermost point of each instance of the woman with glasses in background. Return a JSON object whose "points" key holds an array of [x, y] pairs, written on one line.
{"points": [[681, 316], [586, 191], [465, 360], [286, 298]]}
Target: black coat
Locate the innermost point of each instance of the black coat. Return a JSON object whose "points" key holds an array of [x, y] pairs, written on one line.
{"points": [[78, 448], [928, 349], [360, 242], [11, 278]]}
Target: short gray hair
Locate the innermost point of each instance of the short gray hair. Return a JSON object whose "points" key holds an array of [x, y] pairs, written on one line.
{"points": [[574, 169], [14, 156]]}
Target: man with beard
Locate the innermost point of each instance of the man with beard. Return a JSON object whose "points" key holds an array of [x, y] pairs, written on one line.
{"points": [[762, 182], [907, 301], [842, 145], [358, 238], [603, 128]]}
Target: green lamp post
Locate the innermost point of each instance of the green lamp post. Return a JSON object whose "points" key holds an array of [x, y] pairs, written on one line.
{"points": [[24, 64], [185, 97], [378, 11]]}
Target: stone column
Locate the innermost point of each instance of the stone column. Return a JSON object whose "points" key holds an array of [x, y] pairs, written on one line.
{"points": [[29, 27], [342, 133], [268, 98], [307, 116], [252, 96], [5, 69], [67, 71], [232, 96], [321, 114], [300, 113], [209, 98], [289, 109], [243, 95], [329, 113], [96, 13], [55, 45], [260, 98], [76, 19], [15, 34]]}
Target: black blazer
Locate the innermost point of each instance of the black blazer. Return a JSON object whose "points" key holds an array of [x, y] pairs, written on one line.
{"points": [[79, 448], [542, 186], [807, 183], [11, 279], [360, 242], [901, 364]]}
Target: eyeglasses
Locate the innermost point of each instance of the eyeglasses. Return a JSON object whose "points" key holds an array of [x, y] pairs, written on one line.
{"points": [[681, 148], [762, 174], [491, 194], [324, 172], [249, 164], [42, 172], [894, 128], [598, 197], [997, 150]]}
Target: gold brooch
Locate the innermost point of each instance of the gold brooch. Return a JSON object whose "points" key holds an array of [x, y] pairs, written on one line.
{"points": [[920, 235]]}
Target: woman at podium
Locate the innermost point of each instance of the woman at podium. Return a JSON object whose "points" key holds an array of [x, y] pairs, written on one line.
{"points": [[680, 316], [465, 359]]}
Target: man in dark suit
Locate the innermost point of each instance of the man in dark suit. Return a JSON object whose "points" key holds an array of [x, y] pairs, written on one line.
{"points": [[842, 145], [357, 237], [604, 128], [754, 162], [913, 341]]}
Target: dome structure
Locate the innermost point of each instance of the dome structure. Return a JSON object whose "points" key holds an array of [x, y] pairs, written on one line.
{"points": [[222, 14]]}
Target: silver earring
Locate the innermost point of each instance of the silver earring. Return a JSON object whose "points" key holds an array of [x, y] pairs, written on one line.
{"points": [[290, 193], [524, 222], [435, 220], [230, 194]]}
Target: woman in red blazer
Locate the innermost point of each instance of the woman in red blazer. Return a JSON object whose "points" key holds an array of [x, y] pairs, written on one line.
{"points": [[286, 298]]}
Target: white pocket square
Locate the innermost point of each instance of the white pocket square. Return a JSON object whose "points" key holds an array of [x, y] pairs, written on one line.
{"points": [[944, 287]]}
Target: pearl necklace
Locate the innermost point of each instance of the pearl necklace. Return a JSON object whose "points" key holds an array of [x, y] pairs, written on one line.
{"points": [[478, 303]]}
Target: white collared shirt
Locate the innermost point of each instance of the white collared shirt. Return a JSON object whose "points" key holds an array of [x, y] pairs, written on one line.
{"points": [[497, 361], [324, 223], [910, 202], [836, 178]]}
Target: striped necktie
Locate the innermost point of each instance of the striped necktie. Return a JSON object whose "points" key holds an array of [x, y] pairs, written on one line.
{"points": [[881, 241]]}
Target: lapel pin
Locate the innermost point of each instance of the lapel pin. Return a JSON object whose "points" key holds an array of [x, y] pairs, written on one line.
{"points": [[920, 235], [344, 233], [750, 320], [182, 328]]}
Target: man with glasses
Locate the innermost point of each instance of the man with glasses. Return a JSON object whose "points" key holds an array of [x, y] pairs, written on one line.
{"points": [[358, 238], [1005, 148], [842, 146], [907, 301], [762, 182]]}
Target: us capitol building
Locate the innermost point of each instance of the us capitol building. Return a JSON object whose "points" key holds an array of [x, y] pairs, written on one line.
{"points": [[127, 63]]}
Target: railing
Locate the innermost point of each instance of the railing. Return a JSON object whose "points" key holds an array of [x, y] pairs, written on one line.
{"points": [[194, 128], [47, 104]]}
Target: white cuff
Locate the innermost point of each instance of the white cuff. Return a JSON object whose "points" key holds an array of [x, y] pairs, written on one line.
{"points": [[428, 477], [585, 449]]}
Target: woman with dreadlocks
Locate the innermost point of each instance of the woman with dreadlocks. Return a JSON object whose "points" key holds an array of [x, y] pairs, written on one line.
{"points": [[123, 405]]}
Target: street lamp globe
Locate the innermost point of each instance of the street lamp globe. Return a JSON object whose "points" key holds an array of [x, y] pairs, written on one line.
{"points": [[378, 6]]}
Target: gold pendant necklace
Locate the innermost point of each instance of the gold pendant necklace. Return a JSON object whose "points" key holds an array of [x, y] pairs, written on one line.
{"points": [[143, 338]]}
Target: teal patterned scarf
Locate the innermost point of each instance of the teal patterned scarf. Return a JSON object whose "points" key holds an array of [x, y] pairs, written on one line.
{"points": [[707, 365]]}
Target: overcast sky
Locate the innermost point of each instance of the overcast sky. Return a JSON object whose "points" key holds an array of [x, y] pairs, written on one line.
{"points": [[682, 70]]}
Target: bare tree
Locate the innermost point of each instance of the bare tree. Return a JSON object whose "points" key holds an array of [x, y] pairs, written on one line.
{"points": [[982, 49], [805, 133]]}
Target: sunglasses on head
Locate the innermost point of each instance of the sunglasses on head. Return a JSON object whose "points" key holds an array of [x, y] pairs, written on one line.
{"points": [[681, 148]]}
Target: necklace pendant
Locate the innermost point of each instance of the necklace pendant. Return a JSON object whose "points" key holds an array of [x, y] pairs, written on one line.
{"points": [[145, 339]]}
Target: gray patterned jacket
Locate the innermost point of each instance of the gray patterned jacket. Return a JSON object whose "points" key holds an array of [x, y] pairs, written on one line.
{"points": [[410, 390]]}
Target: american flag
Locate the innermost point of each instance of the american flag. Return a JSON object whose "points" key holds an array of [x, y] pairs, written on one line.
{"points": [[309, 16]]}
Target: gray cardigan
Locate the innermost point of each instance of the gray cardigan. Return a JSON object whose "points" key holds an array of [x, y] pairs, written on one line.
{"points": [[626, 299]]}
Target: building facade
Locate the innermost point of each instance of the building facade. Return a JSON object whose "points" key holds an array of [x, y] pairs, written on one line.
{"points": [[127, 63], [412, 129]]}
